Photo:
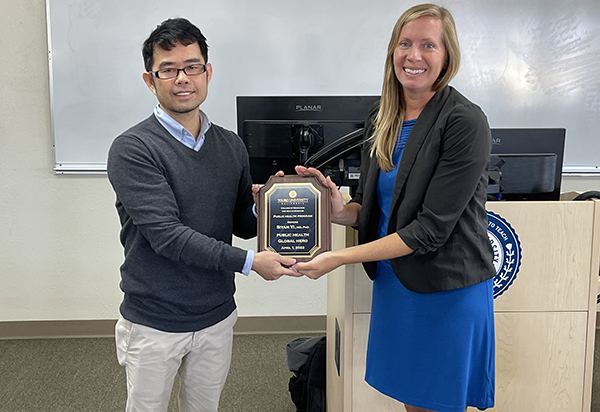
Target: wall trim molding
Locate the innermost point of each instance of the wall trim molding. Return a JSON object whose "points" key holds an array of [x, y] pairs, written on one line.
{"points": [[105, 328]]}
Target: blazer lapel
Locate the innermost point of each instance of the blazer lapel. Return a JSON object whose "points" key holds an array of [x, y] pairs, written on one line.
{"points": [[371, 185], [415, 141]]}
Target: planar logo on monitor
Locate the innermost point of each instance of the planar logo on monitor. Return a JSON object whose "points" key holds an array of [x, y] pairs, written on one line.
{"points": [[507, 252], [308, 108]]}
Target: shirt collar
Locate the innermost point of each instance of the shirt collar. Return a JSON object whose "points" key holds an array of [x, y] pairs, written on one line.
{"points": [[181, 133]]}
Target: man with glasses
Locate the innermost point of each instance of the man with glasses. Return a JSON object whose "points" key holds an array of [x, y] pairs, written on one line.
{"points": [[183, 189]]}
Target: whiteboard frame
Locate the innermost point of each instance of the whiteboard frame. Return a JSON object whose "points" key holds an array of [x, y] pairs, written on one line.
{"points": [[61, 167]]}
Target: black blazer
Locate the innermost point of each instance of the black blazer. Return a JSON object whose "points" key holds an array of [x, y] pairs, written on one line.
{"points": [[438, 204]]}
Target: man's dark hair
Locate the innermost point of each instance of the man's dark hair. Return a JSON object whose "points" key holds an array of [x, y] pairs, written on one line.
{"points": [[170, 32]]}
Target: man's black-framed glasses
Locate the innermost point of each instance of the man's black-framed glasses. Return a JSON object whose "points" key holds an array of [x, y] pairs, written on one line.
{"points": [[172, 72]]}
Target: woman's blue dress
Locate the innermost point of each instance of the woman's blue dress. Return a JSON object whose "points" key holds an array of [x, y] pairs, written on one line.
{"points": [[430, 350]]}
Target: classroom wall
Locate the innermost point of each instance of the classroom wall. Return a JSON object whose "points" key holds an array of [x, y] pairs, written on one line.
{"points": [[59, 248]]}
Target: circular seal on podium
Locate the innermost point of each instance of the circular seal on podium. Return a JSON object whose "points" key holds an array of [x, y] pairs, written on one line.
{"points": [[507, 252]]}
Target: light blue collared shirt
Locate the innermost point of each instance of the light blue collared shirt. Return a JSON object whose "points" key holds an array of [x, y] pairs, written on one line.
{"points": [[184, 136], [181, 133]]}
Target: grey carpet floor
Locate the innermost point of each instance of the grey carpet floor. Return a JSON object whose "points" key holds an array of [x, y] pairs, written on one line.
{"points": [[82, 375]]}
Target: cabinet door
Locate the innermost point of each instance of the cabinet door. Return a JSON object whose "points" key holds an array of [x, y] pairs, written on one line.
{"points": [[539, 364], [540, 361], [556, 243]]}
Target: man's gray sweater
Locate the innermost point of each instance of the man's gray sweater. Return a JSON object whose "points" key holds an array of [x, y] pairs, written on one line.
{"points": [[178, 210]]}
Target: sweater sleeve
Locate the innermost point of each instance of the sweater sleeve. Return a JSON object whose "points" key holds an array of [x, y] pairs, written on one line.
{"points": [[146, 202], [465, 149]]}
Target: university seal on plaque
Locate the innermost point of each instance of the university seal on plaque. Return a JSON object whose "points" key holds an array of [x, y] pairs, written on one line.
{"points": [[294, 217], [507, 252]]}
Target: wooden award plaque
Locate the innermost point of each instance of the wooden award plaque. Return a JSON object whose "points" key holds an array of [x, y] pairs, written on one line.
{"points": [[294, 217]]}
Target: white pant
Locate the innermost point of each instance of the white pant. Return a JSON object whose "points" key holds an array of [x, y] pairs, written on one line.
{"points": [[152, 358]]}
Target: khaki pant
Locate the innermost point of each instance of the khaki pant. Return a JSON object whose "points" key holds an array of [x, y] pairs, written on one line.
{"points": [[152, 358]]}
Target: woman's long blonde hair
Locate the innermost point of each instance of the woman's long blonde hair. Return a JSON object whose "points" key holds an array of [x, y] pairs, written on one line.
{"points": [[393, 105]]}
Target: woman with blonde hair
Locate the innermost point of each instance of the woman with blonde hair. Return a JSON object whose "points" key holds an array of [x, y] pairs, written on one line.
{"points": [[420, 212]]}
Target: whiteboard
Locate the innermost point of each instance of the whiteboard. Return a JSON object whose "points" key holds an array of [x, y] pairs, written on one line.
{"points": [[533, 63]]}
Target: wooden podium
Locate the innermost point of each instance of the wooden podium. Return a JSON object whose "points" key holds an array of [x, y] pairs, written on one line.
{"points": [[545, 320]]}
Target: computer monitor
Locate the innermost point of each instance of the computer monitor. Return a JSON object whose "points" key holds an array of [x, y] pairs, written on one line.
{"points": [[281, 132], [326, 132], [529, 161]]}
